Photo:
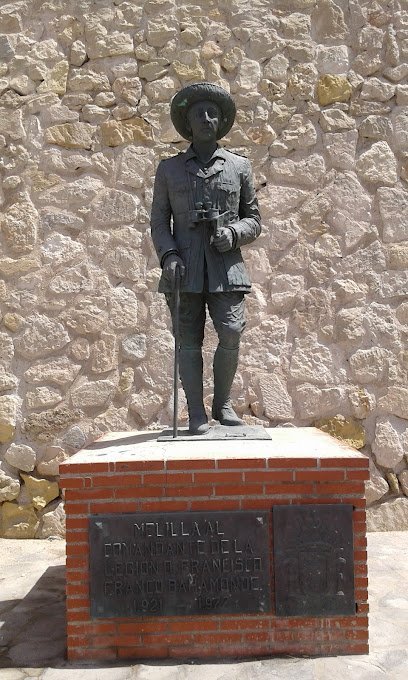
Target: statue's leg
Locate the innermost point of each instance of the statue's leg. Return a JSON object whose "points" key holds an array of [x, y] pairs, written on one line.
{"points": [[191, 374], [227, 313], [191, 325]]}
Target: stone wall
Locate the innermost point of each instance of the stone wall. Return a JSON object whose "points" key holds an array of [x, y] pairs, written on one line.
{"points": [[84, 119]]}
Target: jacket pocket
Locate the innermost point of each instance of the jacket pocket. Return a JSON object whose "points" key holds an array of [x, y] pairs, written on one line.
{"points": [[227, 196], [178, 194]]}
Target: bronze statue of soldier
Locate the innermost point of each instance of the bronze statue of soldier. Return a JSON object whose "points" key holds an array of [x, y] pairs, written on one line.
{"points": [[204, 209]]}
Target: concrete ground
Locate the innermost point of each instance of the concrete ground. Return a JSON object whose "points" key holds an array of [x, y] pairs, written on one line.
{"points": [[32, 625]]}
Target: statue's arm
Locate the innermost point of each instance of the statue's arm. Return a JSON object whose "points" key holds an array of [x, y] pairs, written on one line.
{"points": [[160, 218], [248, 228]]}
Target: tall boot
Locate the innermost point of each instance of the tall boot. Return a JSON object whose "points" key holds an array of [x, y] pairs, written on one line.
{"points": [[191, 374], [225, 366]]}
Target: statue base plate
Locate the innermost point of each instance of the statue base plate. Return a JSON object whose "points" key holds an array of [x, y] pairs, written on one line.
{"points": [[216, 432]]}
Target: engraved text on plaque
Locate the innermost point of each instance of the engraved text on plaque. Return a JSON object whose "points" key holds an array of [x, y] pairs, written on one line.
{"points": [[179, 563]]}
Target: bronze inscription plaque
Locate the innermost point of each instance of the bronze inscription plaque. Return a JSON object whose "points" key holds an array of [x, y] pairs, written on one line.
{"points": [[179, 563], [314, 565]]}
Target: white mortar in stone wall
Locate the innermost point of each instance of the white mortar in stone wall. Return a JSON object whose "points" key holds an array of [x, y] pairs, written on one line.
{"points": [[85, 345]]}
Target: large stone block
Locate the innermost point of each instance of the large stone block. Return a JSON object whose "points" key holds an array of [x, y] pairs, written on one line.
{"points": [[113, 208], [395, 401], [333, 88], [346, 429], [8, 381], [51, 459], [52, 521], [300, 133], [128, 89], [160, 31], [401, 129], [276, 401], [42, 336], [393, 204], [332, 120], [341, 149], [369, 365], [46, 425], [9, 482], [376, 127], [333, 60], [376, 487], [378, 165], [72, 195], [377, 90], [391, 441], [135, 166], [60, 371], [265, 345], [6, 48], [59, 250], [41, 491], [18, 521], [103, 353], [112, 45], [6, 350], [21, 456], [312, 362], [135, 347], [329, 21], [315, 402], [392, 515], [19, 224], [88, 314], [123, 309], [84, 81], [162, 90], [92, 394], [70, 135], [307, 172], [249, 75], [56, 79], [11, 124], [9, 406], [41, 397], [116, 133]]}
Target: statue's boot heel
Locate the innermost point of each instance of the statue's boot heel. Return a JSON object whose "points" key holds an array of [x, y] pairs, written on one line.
{"points": [[198, 422], [226, 415]]}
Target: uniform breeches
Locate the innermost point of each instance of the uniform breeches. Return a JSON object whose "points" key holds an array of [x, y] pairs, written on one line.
{"points": [[226, 311]]}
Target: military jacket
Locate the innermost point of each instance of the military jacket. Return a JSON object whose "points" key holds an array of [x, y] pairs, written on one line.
{"points": [[226, 184]]}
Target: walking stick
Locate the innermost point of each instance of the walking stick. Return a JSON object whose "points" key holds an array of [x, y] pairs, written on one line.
{"points": [[176, 331]]}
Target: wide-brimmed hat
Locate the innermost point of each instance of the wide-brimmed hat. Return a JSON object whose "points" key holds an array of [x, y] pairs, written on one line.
{"points": [[198, 92]]}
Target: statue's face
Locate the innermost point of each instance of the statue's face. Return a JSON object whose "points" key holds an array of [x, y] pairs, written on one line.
{"points": [[203, 119]]}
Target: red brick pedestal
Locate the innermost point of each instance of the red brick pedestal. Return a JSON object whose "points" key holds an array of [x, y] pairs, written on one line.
{"points": [[131, 472]]}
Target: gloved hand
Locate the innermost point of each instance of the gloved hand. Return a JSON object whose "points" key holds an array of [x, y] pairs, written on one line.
{"points": [[170, 266], [224, 239]]}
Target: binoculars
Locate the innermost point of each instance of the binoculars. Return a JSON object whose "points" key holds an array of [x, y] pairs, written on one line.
{"points": [[204, 212]]}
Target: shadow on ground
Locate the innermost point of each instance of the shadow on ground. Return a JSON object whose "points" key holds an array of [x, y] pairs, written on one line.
{"points": [[33, 629], [127, 439]]}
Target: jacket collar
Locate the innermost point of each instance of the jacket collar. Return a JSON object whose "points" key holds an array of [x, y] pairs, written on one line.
{"points": [[217, 161]]}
